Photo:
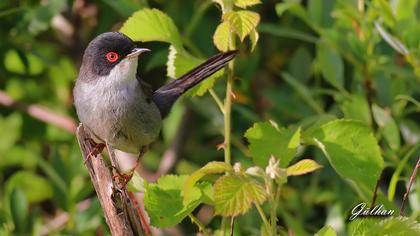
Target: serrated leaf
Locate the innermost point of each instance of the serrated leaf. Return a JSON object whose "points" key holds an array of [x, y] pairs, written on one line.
{"points": [[180, 62], [164, 201], [213, 167], [242, 22], [246, 3], [234, 195], [266, 140], [303, 167], [222, 37], [152, 25], [387, 125], [254, 36], [394, 226], [352, 150]]}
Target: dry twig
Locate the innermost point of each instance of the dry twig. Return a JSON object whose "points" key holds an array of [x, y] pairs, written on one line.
{"points": [[119, 209]]}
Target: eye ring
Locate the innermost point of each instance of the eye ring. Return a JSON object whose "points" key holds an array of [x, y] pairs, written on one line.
{"points": [[112, 56]]}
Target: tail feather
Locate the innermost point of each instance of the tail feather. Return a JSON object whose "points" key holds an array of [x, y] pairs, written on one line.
{"points": [[166, 95]]}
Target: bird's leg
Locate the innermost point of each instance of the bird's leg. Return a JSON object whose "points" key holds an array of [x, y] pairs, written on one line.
{"points": [[127, 176], [97, 149]]}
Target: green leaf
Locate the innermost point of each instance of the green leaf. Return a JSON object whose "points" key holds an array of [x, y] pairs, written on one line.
{"points": [[164, 201], [19, 210], [137, 183], [281, 31], [35, 187], [222, 37], [394, 42], [246, 3], [394, 226], [301, 64], [234, 195], [266, 140], [303, 92], [254, 36], [213, 167], [242, 22], [125, 7], [152, 25], [352, 150], [387, 125], [326, 231], [10, 127], [357, 108], [180, 62], [331, 65], [303, 167]]}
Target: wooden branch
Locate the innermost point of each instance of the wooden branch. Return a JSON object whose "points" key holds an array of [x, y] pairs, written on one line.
{"points": [[410, 183], [119, 209]]}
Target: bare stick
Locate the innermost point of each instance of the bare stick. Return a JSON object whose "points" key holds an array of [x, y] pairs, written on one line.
{"points": [[39, 112], [118, 207], [410, 183]]}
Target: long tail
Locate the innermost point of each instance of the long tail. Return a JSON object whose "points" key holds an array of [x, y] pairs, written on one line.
{"points": [[166, 95]]}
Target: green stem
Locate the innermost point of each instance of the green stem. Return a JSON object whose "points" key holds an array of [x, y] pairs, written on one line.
{"points": [[227, 106], [274, 190], [263, 217], [201, 226], [227, 112], [217, 100]]}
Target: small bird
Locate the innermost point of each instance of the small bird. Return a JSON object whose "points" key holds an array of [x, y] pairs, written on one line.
{"points": [[115, 106]]}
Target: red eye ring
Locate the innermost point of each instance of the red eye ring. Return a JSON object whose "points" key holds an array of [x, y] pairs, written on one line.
{"points": [[112, 56]]}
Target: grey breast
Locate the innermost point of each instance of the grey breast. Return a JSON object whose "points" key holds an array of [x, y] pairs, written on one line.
{"points": [[122, 116]]}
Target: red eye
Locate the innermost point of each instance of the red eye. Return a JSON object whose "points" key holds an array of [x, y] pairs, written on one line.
{"points": [[112, 56]]}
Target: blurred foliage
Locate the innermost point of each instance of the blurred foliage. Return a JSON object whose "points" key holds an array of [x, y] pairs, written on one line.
{"points": [[336, 81]]}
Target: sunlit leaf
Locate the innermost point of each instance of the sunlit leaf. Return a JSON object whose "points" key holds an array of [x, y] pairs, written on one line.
{"points": [[164, 201], [152, 25], [234, 195], [352, 150], [254, 36], [303, 167], [222, 37], [242, 22], [326, 231], [213, 167], [246, 3], [394, 226], [266, 140]]}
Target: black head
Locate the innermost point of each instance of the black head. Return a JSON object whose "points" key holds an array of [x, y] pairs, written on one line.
{"points": [[104, 52]]}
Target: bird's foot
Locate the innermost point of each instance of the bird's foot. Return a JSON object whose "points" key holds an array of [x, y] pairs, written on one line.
{"points": [[127, 176], [122, 178]]}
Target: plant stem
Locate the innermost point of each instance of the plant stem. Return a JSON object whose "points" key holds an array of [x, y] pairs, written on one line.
{"points": [[217, 100], [227, 112], [275, 192], [263, 217], [200, 225]]}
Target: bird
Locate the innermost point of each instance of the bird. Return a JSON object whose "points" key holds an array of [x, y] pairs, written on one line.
{"points": [[116, 106]]}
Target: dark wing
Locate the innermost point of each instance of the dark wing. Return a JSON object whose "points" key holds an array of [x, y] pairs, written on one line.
{"points": [[166, 95]]}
